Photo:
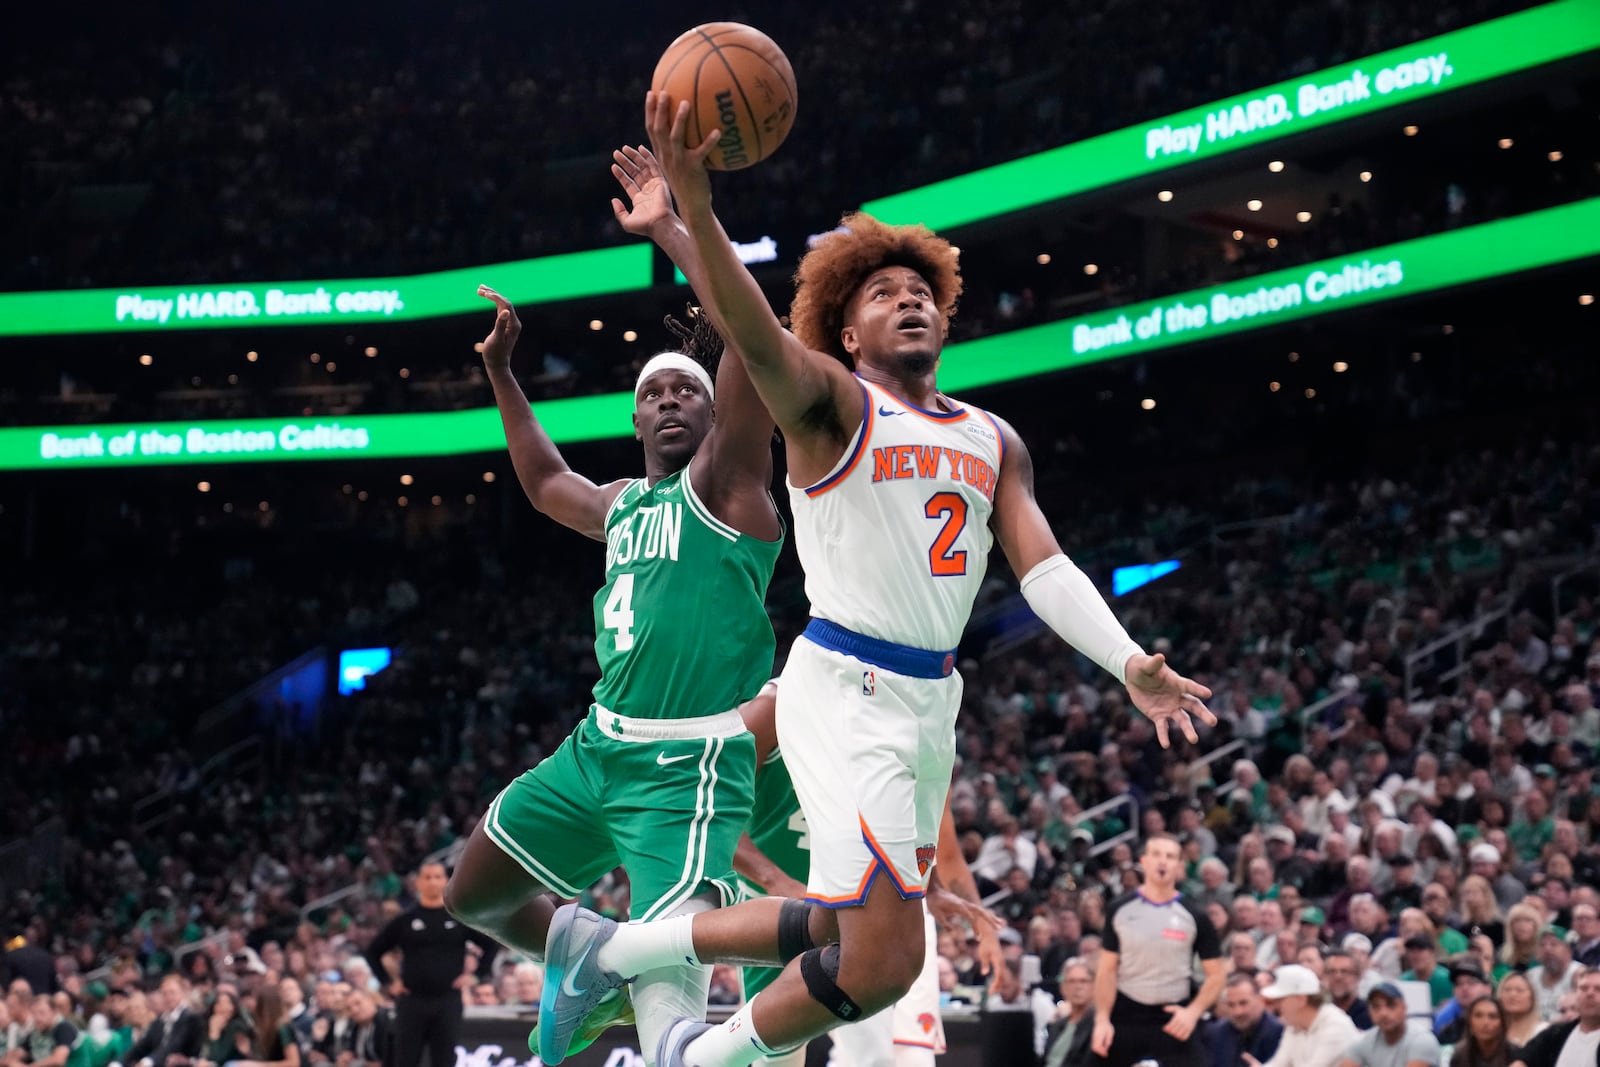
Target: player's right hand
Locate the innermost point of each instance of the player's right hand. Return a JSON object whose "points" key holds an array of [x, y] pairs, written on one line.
{"points": [[503, 338], [684, 165], [1100, 1043]]}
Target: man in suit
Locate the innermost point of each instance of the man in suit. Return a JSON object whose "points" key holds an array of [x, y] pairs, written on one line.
{"points": [[1066, 1041], [1243, 1026], [177, 1032], [1570, 1044]]}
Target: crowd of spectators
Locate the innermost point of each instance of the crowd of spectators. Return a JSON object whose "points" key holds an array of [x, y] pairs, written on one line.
{"points": [[166, 149], [1369, 818]]}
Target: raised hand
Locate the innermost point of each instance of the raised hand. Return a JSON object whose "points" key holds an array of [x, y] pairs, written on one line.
{"points": [[683, 166], [1167, 697], [507, 328], [637, 171]]}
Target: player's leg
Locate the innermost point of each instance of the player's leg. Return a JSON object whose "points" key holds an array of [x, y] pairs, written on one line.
{"points": [[756, 979], [868, 1043], [539, 836], [678, 798], [918, 1030], [852, 750]]}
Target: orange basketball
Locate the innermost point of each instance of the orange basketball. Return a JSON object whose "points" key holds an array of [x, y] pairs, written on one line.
{"points": [[735, 79]]}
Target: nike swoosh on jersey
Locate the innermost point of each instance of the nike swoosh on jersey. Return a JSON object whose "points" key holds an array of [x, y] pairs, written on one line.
{"points": [[572, 972], [886, 412], [662, 759]]}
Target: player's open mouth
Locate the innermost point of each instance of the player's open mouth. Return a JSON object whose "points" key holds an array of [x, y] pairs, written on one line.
{"points": [[670, 428], [913, 325]]}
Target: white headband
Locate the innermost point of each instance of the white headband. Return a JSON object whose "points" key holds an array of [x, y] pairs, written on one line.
{"points": [[674, 361]]}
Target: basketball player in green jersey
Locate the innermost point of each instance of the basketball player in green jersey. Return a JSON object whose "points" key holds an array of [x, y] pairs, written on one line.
{"points": [[774, 859], [658, 776]]}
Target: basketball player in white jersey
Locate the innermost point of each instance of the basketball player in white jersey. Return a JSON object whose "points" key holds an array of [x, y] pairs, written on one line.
{"points": [[898, 492]]}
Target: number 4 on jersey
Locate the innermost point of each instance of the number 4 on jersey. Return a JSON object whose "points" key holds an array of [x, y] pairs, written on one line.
{"points": [[797, 823], [618, 612]]}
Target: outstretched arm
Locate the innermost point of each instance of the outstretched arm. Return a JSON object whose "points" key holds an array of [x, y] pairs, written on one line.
{"points": [[1065, 598], [813, 398], [552, 487], [732, 468]]}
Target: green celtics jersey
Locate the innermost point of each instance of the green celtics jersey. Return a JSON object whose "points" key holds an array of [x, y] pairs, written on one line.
{"points": [[777, 825], [681, 627]]}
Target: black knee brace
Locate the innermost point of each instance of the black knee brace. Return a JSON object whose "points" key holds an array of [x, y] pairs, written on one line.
{"points": [[794, 930], [819, 967]]}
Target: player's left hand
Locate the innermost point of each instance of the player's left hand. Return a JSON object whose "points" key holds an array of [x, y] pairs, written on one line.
{"points": [[1182, 1023], [683, 165], [637, 171], [1167, 698], [991, 957], [958, 915]]}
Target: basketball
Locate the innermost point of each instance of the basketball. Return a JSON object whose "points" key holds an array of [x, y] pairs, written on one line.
{"points": [[736, 79]]}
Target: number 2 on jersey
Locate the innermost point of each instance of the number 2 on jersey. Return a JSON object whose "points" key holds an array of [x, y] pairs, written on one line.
{"points": [[618, 612], [952, 507]]}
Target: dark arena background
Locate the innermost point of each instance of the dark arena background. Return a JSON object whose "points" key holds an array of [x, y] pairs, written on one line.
{"points": [[1295, 305]]}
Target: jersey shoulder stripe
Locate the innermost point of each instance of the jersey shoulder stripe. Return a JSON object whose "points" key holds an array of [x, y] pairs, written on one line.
{"points": [[999, 434], [620, 499], [701, 512], [853, 456]]}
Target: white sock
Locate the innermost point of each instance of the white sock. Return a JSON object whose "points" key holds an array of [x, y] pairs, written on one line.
{"points": [[733, 1044], [640, 947]]}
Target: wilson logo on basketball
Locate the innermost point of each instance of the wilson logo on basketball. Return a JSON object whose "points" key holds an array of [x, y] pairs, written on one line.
{"points": [[731, 143]]}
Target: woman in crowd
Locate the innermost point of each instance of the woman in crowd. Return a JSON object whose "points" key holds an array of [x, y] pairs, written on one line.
{"points": [[1521, 948], [1251, 846], [1480, 912], [227, 1035], [1520, 1007], [1485, 1043], [272, 1043]]}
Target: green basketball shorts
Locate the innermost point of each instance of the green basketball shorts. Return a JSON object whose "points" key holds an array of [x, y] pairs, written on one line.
{"points": [[665, 798]]}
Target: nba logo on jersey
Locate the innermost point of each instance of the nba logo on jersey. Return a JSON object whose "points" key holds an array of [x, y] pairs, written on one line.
{"points": [[869, 683]]}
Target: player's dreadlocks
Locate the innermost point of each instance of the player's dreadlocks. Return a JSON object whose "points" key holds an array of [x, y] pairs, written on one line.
{"points": [[699, 340]]}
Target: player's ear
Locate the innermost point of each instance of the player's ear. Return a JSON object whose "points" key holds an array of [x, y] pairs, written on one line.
{"points": [[637, 436], [847, 337]]}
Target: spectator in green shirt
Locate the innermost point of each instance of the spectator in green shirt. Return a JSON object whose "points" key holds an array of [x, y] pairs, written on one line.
{"points": [[1533, 828], [1422, 965]]}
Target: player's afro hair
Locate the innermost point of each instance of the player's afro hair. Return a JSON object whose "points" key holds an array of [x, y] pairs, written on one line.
{"points": [[830, 274]]}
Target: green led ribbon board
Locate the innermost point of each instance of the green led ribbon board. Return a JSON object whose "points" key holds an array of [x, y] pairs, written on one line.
{"points": [[1427, 264], [416, 296], [1415, 72], [1480, 53]]}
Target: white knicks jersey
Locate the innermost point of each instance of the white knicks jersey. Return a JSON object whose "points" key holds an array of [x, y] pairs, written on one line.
{"points": [[895, 540]]}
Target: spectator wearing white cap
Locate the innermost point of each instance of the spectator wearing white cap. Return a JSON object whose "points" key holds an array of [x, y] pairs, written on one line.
{"points": [[1485, 861], [1316, 1034]]}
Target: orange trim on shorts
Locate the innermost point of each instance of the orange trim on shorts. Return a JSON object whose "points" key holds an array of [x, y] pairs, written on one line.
{"points": [[918, 1044], [877, 850], [879, 862]]}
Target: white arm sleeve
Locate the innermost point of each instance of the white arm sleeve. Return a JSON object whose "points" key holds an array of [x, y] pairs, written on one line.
{"points": [[1065, 598]]}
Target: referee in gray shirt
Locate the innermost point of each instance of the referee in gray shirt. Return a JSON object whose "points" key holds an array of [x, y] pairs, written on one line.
{"points": [[1143, 1008]]}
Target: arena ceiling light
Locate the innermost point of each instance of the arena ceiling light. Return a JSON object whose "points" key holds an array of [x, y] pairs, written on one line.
{"points": [[1427, 264]]}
